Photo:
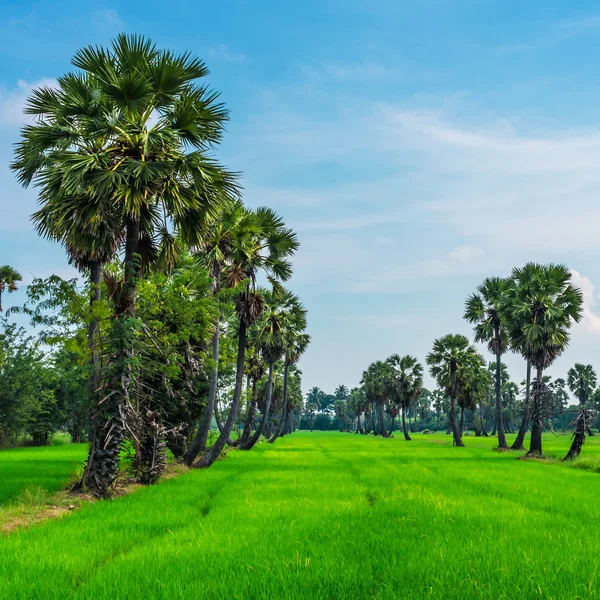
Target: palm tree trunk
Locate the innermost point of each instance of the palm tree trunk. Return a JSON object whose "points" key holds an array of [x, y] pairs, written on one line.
{"points": [[250, 443], [209, 458], [501, 436], [518, 443], [108, 418], [456, 437], [251, 413], [199, 443], [462, 420], [382, 429], [404, 429], [535, 447], [578, 437], [279, 431], [93, 328]]}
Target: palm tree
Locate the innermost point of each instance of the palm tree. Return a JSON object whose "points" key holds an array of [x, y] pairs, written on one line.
{"points": [[407, 383], [376, 381], [283, 314], [219, 242], [268, 251], [539, 307], [9, 278], [131, 133], [581, 380], [449, 363], [476, 383], [314, 400], [295, 344], [482, 310]]}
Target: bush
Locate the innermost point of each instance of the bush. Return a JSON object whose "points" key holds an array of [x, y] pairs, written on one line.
{"points": [[426, 431]]}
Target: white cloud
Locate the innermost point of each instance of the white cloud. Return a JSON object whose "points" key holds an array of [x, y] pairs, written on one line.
{"points": [[222, 52], [590, 321], [109, 19], [12, 101]]}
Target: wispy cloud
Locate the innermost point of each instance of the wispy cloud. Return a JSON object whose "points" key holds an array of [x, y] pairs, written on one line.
{"points": [[12, 101], [223, 52], [591, 320], [108, 19]]}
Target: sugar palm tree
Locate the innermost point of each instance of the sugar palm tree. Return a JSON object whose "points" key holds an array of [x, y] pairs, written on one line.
{"points": [[476, 384], [255, 370], [407, 383], [295, 344], [132, 133], [539, 307], [9, 278], [450, 361], [219, 242], [581, 380], [268, 252], [283, 315], [377, 384], [482, 310]]}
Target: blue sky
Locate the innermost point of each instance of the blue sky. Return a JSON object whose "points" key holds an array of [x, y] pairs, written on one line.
{"points": [[416, 147]]}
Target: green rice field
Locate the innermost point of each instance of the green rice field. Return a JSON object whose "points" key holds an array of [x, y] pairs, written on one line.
{"points": [[320, 516]]}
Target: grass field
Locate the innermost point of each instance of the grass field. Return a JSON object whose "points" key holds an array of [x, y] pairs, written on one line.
{"points": [[329, 515], [33, 470]]}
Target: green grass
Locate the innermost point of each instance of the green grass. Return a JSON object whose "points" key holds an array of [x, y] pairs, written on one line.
{"points": [[27, 471], [329, 515]]}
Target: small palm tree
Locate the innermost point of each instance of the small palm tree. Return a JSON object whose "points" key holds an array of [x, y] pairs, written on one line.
{"points": [[539, 307], [451, 363], [377, 384], [9, 278], [482, 310], [407, 383], [581, 380], [295, 342]]}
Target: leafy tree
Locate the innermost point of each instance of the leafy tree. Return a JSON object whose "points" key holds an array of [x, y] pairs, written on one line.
{"points": [[539, 307]]}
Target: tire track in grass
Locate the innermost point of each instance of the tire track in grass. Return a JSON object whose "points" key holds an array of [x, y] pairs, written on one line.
{"points": [[205, 507]]}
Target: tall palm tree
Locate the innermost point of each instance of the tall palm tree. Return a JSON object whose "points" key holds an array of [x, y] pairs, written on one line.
{"points": [[220, 240], [268, 252], [407, 383], [539, 307], [9, 278], [450, 362], [131, 132], [482, 310]]}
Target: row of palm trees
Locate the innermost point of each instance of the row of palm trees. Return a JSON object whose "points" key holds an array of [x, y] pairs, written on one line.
{"points": [[529, 313], [122, 154]]}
